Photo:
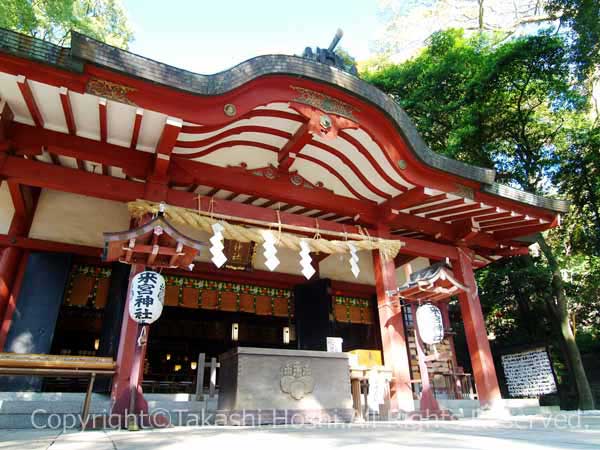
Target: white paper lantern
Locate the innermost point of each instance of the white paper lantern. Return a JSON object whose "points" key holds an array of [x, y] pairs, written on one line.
{"points": [[147, 297], [430, 323]]}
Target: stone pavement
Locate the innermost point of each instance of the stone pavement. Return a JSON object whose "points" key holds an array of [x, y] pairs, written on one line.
{"points": [[560, 431]]}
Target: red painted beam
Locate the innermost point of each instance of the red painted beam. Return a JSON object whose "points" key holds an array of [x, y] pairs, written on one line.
{"points": [[39, 174], [67, 110], [6, 122], [416, 247], [416, 196], [497, 215], [241, 180], [165, 146], [439, 230], [470, 214], [523, 231], [43, 73], [134, 163], [23, 199], [32, 106], [517, 224], [517, 207], [41, 245], [513, 251], [437, 206], [494, 222], [287, 155], [43, 175], [451, 211], [35, 173], [137, 125], [102, 119]]}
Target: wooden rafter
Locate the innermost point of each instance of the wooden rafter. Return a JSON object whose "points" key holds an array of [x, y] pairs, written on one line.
{"points": [[6, 123], [165, 146], [137, 125], [287, 154], [65, 101], [32, 106], [102, 119], [250, 200], [134, 163]]}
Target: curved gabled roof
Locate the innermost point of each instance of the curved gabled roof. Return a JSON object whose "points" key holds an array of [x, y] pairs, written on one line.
{"points": [[84, 49]]}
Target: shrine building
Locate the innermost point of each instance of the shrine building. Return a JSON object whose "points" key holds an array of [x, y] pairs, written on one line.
{"points": [[112, 163]]}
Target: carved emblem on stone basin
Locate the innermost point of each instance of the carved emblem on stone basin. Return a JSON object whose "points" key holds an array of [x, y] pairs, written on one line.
{"points": [[296, 379]]}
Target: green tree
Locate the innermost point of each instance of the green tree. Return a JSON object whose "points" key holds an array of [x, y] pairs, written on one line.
{"points": [[579, 178], [505, 105], [51, 20], [581, 21]]}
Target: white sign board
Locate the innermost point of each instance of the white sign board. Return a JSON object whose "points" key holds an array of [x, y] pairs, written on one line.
{"points": [[334, 344], [529, 374]]}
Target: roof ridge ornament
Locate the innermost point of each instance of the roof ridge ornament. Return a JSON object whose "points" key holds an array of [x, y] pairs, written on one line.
{"points": [[329, 57]]}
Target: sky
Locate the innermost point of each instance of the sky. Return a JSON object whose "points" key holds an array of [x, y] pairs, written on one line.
{"points": [[207, 36]]}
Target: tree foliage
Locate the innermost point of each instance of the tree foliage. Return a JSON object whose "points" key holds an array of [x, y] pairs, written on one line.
{"points": [[513, 105], [581, 20], [51, 20]]}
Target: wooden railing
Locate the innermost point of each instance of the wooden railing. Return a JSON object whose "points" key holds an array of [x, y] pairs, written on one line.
{"points": [[455, 386], [212, 376], [203, 383], [59, 366]]}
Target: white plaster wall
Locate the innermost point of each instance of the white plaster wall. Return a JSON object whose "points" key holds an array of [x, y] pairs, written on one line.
{"points": [[416, 265], [337, 268], [7, 208], [289, 261], [77, 219]]}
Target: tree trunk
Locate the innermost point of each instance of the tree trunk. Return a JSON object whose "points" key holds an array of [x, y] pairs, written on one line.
{"points": [[557, 308], [527, 319]]}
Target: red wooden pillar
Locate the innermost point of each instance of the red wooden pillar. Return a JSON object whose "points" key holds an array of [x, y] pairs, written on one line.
{"points": [[9, 307], [13, 259], [480, 353], [130, 359], [9, 265], [393, 338]]}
